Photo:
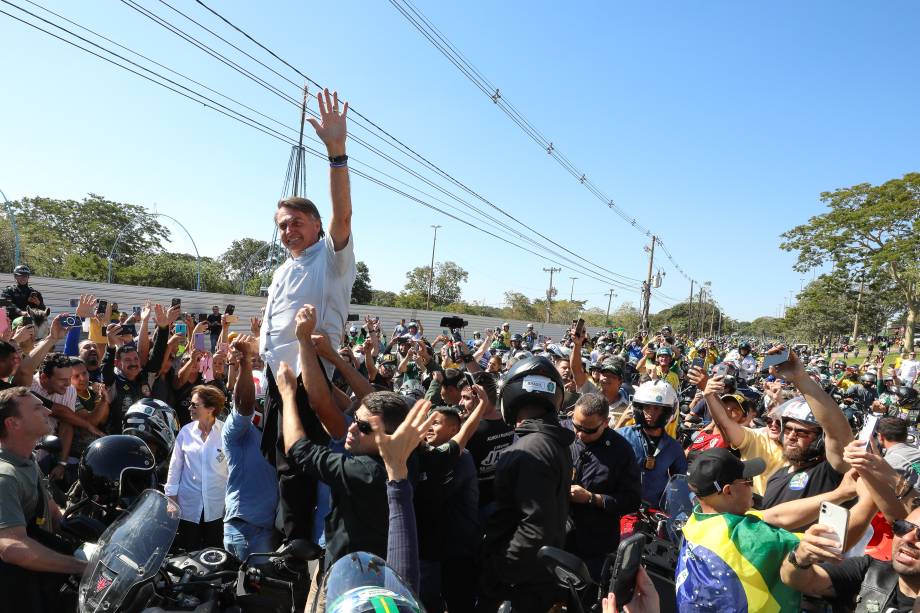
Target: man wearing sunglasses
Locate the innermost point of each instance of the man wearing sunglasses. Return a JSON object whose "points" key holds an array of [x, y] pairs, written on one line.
{"points": [[816, 567], [605, 483]]}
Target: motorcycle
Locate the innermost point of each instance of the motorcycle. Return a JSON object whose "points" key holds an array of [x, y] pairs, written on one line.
{"points": [[131, 570], [663, 538]]}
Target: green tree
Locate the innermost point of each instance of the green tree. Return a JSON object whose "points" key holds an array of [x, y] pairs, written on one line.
{"points": [[518, 306], [361, 292], [383, 298], [175, 270], [446, 286], [251, 258], [51, 230], [869, 228]]}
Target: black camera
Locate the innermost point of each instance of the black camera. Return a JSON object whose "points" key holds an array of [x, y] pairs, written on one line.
{"points": [[454, 323]]}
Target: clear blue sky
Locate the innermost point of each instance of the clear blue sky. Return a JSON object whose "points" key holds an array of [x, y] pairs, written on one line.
{"points": [[716, 124]]}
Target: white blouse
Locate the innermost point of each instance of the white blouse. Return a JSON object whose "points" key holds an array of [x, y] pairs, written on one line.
{"points": [[198, 473]]}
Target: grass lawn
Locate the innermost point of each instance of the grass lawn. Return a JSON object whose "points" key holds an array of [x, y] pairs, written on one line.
{"points": [[863, 351]]}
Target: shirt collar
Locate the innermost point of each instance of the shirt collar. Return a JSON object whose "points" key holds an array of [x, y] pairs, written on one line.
{"points": [[12, 458]]}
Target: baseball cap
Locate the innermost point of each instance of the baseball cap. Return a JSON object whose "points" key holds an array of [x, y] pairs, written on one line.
{"points": [[452, 377], [612, 367], [715, 468], [737, 398]]}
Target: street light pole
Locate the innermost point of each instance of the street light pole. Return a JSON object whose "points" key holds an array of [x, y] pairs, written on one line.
{"points": [[549, 292], [431, 270], [572, 293]]}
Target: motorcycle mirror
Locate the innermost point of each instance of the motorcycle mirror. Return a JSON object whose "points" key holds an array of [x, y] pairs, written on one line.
{"points": [[49, 443], [568, 568]]}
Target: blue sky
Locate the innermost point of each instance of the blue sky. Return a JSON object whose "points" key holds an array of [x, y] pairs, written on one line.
{"points": [[716, 124]]}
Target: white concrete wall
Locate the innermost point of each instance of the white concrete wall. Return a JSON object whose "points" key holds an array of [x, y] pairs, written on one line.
{"points": [[58, 293]]}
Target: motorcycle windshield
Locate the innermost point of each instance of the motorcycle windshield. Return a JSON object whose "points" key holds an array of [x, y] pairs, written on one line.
{"points": [[363, 582], [677, 503], [129, 552]]}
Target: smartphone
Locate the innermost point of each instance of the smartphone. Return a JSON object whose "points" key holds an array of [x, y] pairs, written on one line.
{"points": [[74, 303], [176, 302], [626, 567], [699, 363], [773, 359], [136, 310], [69, 321], [101, 306], [868, 429], [837, 519], [579, 330], [230, 308], [114, 307], [469, 379], [721, 370], [232, 319], [199, 342], [128, 329], [181, 328], [27, 320]]}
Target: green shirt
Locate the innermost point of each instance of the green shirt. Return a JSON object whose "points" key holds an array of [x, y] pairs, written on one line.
{"points": [[19, 479]]}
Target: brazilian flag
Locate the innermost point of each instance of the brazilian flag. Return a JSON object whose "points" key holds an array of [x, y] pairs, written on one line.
{"points": [[731, 563]]}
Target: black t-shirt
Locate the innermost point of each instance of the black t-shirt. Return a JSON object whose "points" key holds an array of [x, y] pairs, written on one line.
{"points": [[214, 325], [5, 386], [784, 485], [847, 578], [492, 436], [435, 465]]}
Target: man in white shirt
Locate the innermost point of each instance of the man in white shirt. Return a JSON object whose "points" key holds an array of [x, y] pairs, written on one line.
{"points": [[52, 386], [320, 271], [909, 369]]}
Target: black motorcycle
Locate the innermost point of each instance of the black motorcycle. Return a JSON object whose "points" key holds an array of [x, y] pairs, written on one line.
{"points": [[131, 569]]}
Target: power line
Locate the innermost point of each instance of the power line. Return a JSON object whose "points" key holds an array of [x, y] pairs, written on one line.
{"points": [[427, 28], [242, 118], [392, 140]]}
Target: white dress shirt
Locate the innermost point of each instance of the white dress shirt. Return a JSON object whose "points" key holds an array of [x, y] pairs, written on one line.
{"points": [[320, 276], [198, 473]]}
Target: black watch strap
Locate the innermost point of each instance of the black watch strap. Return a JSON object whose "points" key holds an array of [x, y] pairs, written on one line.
{"points": [[338, 159], [795, 562]]}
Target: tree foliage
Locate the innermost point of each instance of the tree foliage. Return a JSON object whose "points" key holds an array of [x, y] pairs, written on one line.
{"points": [[870, 230], [56, 234], [445, 289], [361, 292]]}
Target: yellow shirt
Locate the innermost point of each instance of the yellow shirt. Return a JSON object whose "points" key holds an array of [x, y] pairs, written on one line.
{"points": [[757, 444]]}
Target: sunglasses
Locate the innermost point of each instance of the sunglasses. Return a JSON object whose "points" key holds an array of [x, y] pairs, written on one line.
{"points": [[747, 482], [584, 430], [902, 527], [364, 427], [799, 432]]}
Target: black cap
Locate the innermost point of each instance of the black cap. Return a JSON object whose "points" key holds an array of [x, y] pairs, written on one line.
{"points": [[613, 367], [452, 377], [715, 468]]}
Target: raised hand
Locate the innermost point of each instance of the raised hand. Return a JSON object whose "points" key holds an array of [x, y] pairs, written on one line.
{"points": [[244, 344], [396, 448], [286, 380], [255, 325], [305, 321], [58, 331], [323, 346], [332, 131], [113, 334], [86, 306]]}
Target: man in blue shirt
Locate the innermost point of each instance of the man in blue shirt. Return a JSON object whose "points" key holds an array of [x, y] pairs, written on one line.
{"points": [[252, 483], [659, 456]]}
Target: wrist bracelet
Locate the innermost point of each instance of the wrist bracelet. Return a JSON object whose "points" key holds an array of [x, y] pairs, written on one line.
{"points": [[338, 161], [62, 463]]}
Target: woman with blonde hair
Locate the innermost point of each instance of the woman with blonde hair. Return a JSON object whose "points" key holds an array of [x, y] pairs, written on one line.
{"points": [[198, 472]]}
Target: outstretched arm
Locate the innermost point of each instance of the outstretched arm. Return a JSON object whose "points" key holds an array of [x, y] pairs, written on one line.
{"points": [[331, 129]]}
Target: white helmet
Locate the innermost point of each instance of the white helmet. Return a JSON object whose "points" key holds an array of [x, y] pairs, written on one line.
{"points": [[655, 393]]}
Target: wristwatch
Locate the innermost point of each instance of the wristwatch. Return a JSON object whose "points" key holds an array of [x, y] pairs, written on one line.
{"points": [[591, 499], [794, 561]]}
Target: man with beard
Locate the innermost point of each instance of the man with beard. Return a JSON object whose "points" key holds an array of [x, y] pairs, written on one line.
{"points": [[814, 434], [89, 354], [816, 566]]}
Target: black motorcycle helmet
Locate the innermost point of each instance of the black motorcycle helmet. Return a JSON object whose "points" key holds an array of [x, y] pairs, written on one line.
{"points": [[116, 469], [907, 396], [533, 382], [155, 423]]}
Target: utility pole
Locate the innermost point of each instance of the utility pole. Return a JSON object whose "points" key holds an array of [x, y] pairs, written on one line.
{"points": [[610, 296], [712, 318], [431, 270], [700, 309], [690, 311], [647, 287], [572, 293], [858, 303], [720, 323], [549, 292]]}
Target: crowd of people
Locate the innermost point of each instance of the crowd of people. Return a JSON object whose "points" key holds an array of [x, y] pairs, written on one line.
{"points": [[454, 458]]}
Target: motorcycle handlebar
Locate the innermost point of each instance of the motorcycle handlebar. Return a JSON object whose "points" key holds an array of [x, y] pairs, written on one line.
{"points": [[276, 582]]}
